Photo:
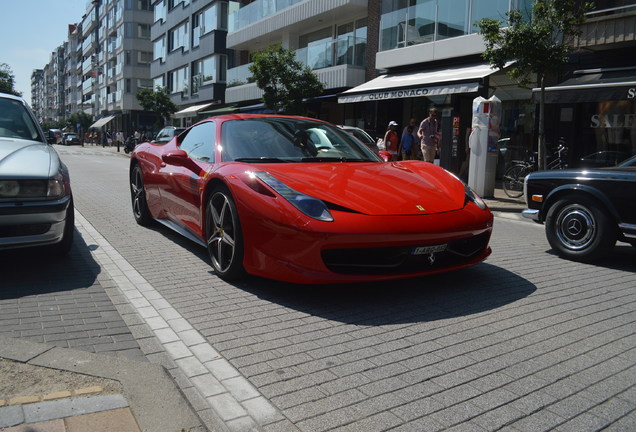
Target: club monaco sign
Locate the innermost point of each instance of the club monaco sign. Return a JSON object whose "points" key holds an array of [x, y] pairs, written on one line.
{"points": [[385, 94]]}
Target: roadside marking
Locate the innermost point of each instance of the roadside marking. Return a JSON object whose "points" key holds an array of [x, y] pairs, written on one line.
{"points": [[230, 395]]}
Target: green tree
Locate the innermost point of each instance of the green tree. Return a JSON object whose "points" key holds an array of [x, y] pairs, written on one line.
{"points": [[7, 80], [539, 45], [158, 101], [81, 118], [285, 81]]}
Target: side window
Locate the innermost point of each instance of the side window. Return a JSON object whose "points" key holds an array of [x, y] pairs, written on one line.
{"points": [[199, 142]]}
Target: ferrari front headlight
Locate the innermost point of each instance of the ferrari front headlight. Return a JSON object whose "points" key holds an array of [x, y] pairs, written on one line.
{"points": [[312, 207], [473, 197]]}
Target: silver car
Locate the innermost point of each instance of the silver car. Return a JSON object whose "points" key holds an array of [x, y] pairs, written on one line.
{"points": [[36, 203]]}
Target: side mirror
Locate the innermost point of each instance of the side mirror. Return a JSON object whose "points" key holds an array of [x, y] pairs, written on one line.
{"points": [[180, 158], [385, 155]]}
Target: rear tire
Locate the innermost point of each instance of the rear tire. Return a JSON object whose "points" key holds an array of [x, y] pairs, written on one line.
{"points": [[513, 180], [579, 228], [138, 197]]}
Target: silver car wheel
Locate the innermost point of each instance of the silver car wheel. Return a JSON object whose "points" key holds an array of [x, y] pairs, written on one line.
{"points": [[221, 241], [575, 227]]}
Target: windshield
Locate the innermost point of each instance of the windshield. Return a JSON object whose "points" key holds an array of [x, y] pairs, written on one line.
{"points": [[629, 162], [277, 139], [16, 121]]}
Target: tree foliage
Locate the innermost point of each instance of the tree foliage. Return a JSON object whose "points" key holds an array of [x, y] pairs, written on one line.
{"points": [[79, 117], [285, 81], [158, 101], [539, 45], [7, 80]]}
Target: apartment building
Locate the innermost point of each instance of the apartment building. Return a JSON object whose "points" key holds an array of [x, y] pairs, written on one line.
{"points": [[37, 93], [116, 53], [330, 36], [189, 56]]}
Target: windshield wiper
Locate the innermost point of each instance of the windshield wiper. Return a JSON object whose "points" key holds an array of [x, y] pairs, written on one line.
{"points": [[261, 159], [332, 159]]}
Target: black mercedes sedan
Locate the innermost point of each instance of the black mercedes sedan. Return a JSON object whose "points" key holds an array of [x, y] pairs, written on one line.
{"points": [[585, 211]]}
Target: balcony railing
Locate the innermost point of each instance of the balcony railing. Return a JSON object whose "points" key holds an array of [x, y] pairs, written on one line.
{"points": [[346, 51], [257, 11]]}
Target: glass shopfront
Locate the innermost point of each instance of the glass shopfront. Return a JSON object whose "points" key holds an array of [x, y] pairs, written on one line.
{"points": [[592, 127]]}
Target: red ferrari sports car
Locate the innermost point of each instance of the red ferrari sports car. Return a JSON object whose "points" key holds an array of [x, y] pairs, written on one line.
{"points": [[301, 200]]}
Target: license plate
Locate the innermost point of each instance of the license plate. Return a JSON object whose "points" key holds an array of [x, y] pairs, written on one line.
{"points": [[424, 250]]}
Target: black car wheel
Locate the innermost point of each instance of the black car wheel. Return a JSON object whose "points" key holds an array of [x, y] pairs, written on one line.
{"points": [[224, 235], [579, 228], [138, 197]]}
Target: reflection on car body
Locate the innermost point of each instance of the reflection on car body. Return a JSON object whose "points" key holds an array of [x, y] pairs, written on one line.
{"points": [[36, 205]]}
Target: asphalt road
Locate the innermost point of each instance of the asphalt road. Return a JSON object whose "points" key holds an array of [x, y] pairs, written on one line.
{"points": [[523, 342]]}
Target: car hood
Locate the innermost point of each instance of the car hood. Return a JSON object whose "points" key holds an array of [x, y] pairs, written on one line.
{"points": [[27, 159], [397, 188]]}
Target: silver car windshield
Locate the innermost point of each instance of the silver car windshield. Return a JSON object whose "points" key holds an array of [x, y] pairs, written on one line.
{"points": [[277, 139], [16, 121]]}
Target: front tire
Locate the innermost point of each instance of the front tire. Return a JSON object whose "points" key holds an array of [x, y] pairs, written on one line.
{"points": [[138, 197], [224, 237], [579, 228]]}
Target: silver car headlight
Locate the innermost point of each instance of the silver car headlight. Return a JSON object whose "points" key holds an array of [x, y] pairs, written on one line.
{"points": [[312, 207], [30, 189]]}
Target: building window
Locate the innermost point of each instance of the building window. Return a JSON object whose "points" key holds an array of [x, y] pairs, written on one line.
{"points": [[208, 70], [209, 20], [145, 84], [159, 49], [158, 82], [144, 57], [143, 31], [178, 80], [160, 11], [178, 37], [196, 29], [411, 22]]}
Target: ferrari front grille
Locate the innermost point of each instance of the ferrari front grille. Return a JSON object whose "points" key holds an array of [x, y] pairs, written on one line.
{"points": [[400, 259]]}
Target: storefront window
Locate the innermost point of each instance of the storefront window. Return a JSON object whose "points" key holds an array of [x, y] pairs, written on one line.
{"points": [[610, 126]]}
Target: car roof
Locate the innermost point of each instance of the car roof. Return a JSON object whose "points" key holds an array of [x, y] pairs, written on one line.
{"points": [[10, 96]]}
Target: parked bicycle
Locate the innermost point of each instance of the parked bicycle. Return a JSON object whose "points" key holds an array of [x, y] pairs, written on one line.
{"points": [[515, 175]]}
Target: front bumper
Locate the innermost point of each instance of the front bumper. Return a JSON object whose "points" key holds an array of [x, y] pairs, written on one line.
{"points": [[531, 214], [36, 223]]}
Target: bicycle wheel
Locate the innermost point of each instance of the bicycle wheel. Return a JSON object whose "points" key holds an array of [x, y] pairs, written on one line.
{"points": [[513, 180]]}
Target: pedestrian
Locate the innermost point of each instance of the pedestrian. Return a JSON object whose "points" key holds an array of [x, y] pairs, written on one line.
{"points": [[427, 134], [119, 139], [392, 140], [406, 143], [416, 153], [137, 136]]}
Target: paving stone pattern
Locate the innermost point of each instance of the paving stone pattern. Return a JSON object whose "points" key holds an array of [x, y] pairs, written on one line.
{"points": [[523, 342], [59, 300]]}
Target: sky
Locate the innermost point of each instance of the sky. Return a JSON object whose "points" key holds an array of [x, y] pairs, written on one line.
{"points": [[30, 31]]}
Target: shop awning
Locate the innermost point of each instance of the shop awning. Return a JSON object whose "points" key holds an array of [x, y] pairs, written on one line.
{"points": [[191, 111], [459, 79], [592, 86], [102, 122]]}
